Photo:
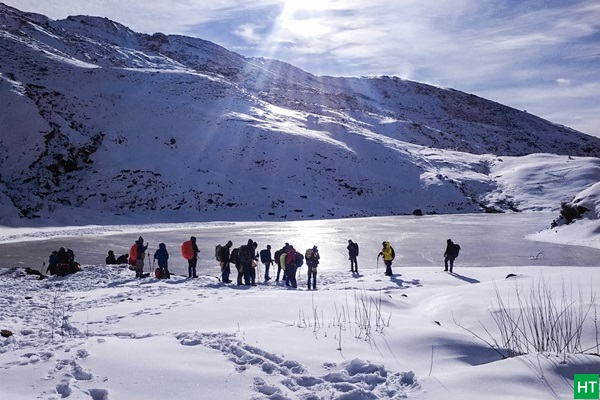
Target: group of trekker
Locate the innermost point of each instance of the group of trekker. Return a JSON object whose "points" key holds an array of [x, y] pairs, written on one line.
{"points": [[62, 262], [245, 259], [136, 257]]}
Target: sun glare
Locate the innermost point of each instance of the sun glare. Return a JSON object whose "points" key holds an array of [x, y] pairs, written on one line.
{"points": [[303, 18], [302, 28], [295, 5]]}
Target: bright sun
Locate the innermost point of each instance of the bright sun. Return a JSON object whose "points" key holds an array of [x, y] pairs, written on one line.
{"points": [[293, 5], [303, 18]]}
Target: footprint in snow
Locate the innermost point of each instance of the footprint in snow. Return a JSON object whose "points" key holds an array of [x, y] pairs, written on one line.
{"points": [[357, 379], [79, 373], [98, 394], [64, 389]]}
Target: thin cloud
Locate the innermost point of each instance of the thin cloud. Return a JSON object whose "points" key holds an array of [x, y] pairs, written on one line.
{"points": [[250, 33], [563, 81]]}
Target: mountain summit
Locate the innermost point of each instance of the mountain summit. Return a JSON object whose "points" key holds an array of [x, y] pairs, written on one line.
{"points": [[101, 124]]}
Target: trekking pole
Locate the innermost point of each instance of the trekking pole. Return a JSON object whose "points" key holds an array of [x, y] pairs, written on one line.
{"points": [[152, 270], [257, 270], [378, 264]]}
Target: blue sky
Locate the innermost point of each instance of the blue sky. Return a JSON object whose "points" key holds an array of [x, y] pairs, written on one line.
{"points": [[542, 56]]}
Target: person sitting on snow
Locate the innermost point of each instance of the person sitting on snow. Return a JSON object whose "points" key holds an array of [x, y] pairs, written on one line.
{"points": [[111, 259]]}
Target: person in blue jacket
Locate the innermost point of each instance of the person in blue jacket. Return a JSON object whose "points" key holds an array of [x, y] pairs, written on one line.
{"points": [[162, 257]]}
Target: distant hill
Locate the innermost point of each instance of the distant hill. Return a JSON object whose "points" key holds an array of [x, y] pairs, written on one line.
{"points": [[101, 124]]}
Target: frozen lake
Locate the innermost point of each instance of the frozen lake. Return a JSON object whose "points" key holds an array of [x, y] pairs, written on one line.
{"points": [[487, 240]]}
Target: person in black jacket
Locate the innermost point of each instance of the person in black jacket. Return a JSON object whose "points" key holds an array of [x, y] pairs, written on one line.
{"points": [[141, 254], [162, 257], [267, 260], [312, 258], [247, 269], [193, 262], [352, 255], [111, 259], [225, 262], [450, 255]]}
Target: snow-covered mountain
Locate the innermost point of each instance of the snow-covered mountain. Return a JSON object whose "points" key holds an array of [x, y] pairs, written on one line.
{"points": [[101, 124]]}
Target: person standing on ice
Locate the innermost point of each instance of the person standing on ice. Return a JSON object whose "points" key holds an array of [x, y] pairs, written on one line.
{"points": [[280, 260], [267, 260], [312, 262], [140, 255], [450, 254], [234, 258], [352, 255], [290, 267], [190, 251], [247, 258], [225, 262], [388, 254], [253, 264]]}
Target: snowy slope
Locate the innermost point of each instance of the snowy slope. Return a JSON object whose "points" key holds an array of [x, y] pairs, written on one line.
{"points": [[101, 125]]}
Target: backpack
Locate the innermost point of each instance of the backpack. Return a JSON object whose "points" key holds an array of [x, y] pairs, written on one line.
{"points": [[264, 256], [393, 253], [159, 273], [187, 250], [234, 256], [356, 248], [312, 258], [282, 259], [133, 252], [308, 255], [245, 254], [218, 252], [277, 256], [456, 249], [299, 259]]}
